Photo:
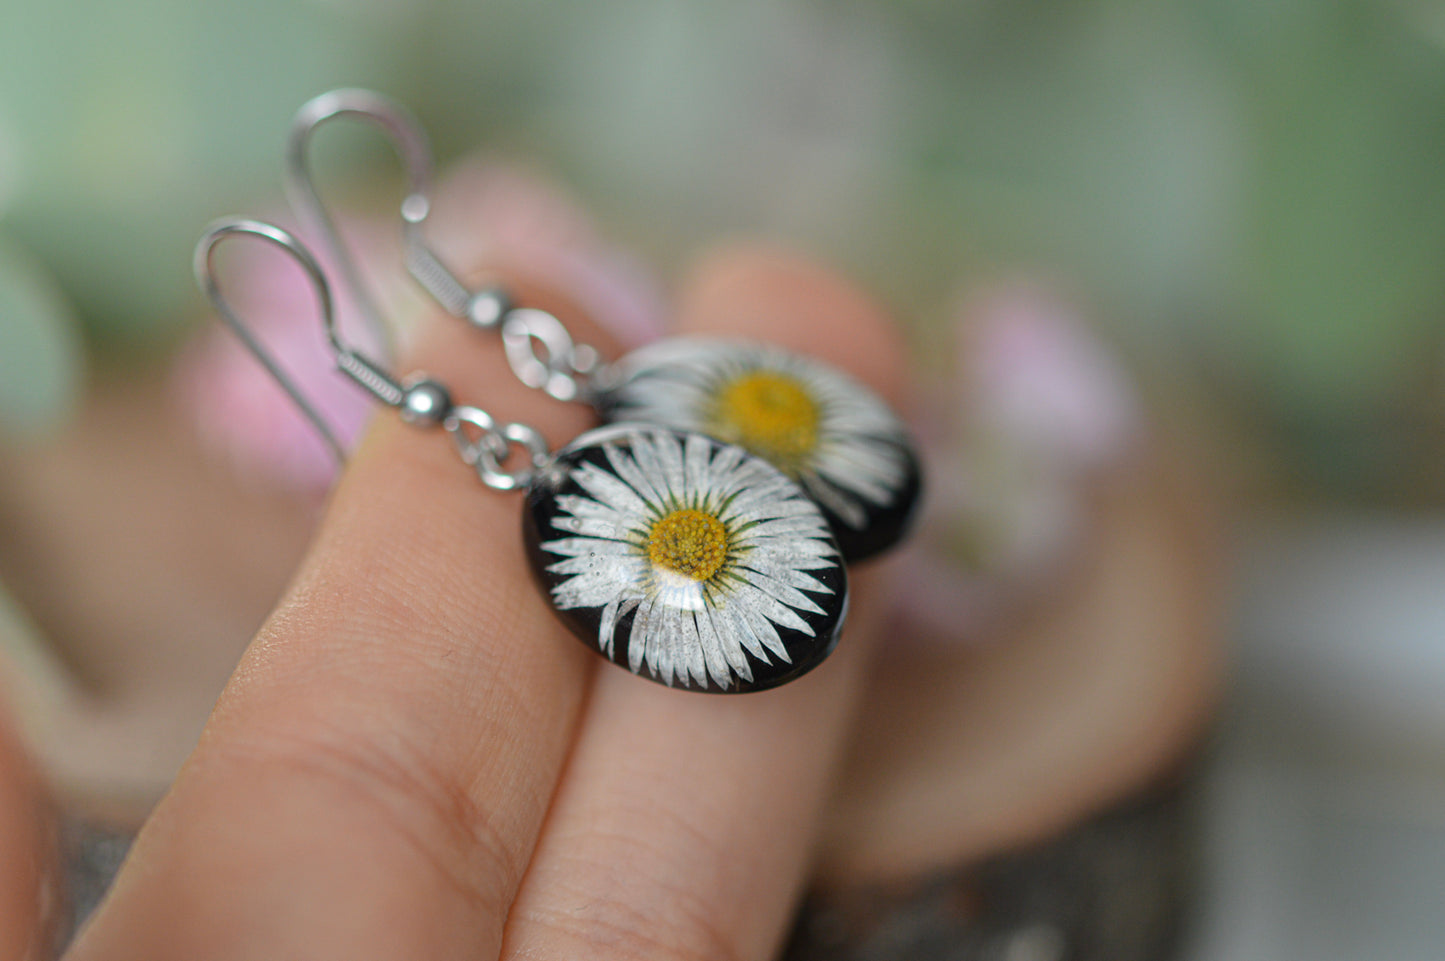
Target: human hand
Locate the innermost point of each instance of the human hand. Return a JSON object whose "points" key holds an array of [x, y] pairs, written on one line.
{"points": [[414, 759]]}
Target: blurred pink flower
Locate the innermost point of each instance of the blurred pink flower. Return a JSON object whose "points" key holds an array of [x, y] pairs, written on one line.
{"points": [[1037, 405], [1041, 378]]}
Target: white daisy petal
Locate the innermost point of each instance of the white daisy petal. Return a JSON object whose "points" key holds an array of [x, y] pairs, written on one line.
{"points": [[838, 503], [731, 621], [717, 663], [858, 462], [770, 496], [702, 481], [609, 623], [804, 525], [730, 639], [591, 547], [677, 634], [660, 652], [777, 612], [727, 461], [673, 473], [589, 589], [768, 501], [590, 569], [874, 470], [877, 469], [579, 506], [609, 490], [602, 528], [804, 545], [808, 555], [786, 593], [788, 574], [766, 633], [630, 469], [637, 639]]}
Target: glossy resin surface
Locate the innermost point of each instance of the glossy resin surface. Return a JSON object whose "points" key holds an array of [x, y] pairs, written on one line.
{"points": [[686, 560], [837, 439]]}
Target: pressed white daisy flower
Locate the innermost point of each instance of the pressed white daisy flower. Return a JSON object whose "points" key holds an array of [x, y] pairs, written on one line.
{"points": [[687, 560], [832, 435]]}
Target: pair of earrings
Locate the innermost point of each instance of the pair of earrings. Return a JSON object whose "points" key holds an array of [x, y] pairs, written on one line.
{"points": [[699, 538]]}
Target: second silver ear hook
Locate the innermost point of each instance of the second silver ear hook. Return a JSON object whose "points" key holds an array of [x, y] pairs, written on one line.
{"points": [[563, 368], [482, 308]]}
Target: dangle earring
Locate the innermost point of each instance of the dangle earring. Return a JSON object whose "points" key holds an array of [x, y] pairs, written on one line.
{"points": [[684, 559], [835, 438]]}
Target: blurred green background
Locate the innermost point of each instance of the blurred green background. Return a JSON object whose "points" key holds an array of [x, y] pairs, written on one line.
{"points": [[1249, 191]]}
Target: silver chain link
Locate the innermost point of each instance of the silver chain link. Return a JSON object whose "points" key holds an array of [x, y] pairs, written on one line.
{"points": [[531, 443], [487, 446], [562, 368]]}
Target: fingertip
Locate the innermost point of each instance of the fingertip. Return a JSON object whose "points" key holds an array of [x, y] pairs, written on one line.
{"points": [[768, 292]]}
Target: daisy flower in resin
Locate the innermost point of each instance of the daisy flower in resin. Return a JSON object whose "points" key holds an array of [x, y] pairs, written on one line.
{"points": [[687, 560], [838, 440]]}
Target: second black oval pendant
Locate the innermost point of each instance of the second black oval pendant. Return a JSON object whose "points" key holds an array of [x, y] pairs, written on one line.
{"points": [[685, 560], [837, 439]]}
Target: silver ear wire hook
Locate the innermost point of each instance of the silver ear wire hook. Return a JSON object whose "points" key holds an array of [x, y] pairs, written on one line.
{"points": [[484, 308], [562, 370], [483, 443], [363, 371]]}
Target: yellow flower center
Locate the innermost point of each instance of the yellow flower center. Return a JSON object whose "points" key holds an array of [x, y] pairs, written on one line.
{"points": [[769, 414], [688, 542]]}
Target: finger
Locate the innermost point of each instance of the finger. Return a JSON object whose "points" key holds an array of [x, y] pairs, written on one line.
{"points": [[373, 779], [27, 855], [683, 824]]}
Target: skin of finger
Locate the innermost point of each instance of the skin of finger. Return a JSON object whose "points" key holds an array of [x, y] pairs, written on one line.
{"points": [[374, 777], [27, 853], [683, 825]]}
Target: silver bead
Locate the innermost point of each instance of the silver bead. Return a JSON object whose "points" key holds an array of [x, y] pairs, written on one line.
{"points": [[487, 306], [415, 208], [425, 402]]}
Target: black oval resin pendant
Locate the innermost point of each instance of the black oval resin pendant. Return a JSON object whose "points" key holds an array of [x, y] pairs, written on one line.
{"points": [[686, 560], [829, 433]]}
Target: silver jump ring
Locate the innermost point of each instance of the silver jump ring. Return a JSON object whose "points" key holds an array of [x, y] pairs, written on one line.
{"points": [[523, 329], [489, 465], [489, 440]]}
